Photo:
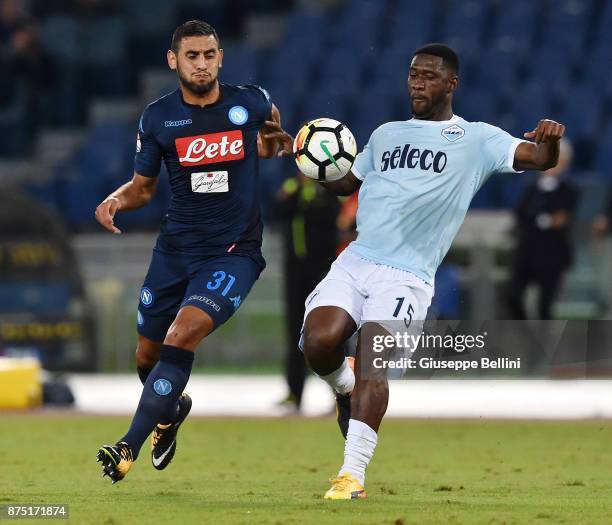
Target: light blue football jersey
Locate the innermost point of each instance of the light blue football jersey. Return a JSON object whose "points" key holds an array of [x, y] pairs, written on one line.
{"points": [[419, 177]]}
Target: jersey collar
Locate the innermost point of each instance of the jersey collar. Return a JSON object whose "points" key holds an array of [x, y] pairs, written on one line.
{"points": [[222, 95], [452, 120]]}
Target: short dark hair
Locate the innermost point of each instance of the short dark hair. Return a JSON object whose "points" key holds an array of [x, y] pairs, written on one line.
{"points": [[448, 56], [192, 28]]}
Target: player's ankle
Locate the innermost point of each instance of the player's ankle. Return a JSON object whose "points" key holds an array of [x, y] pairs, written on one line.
{"points": [[342, 380]]}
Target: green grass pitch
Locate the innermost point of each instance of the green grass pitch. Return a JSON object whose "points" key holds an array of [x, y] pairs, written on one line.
{"points": [[230, 471]]}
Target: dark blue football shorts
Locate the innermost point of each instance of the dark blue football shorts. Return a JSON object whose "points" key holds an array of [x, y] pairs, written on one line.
{"points": [[217, 284]]}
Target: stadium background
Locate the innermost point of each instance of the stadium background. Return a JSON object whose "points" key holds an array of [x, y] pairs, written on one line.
{"points": [[76, 76], [81, 71]]}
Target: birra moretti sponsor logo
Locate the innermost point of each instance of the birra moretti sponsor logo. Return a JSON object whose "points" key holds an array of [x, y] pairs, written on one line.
{"points": [[211, 148], [410, 157]]}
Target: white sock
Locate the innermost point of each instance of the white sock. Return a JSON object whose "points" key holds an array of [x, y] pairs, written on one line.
{"points": [[341, 380], [359, 448]]}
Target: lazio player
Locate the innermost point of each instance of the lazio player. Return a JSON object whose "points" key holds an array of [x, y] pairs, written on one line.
{"points": [[416, 179], [208, 253]]}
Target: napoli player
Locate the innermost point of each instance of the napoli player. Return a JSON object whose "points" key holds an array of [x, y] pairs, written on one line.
{"points": [[416, 180], [207, 255]]}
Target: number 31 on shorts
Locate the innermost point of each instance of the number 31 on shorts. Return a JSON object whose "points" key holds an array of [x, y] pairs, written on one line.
{"points": [[218, 278]]}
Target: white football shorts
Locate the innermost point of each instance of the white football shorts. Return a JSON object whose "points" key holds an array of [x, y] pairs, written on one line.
{"points": [[369, 291]]}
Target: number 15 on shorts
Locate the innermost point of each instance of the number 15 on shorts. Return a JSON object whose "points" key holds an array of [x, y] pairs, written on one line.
{"points": [[398, 310]]}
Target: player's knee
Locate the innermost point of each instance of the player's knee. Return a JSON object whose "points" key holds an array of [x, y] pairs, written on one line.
{"points": [[186, 334], [143, 360], [189, 328], [147, 354], [320, 343]]}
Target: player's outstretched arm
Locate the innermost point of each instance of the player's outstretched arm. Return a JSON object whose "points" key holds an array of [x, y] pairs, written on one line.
{"points": [[543, 153], [131, 196], [347, 185], [272, 138]]}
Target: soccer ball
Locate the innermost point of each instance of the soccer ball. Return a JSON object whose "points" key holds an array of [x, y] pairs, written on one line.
{"points": [[324, 149]]}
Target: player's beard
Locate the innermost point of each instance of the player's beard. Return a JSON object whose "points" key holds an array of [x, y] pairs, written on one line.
{"points": [[422, 111], [198, 89], [428, 109]]}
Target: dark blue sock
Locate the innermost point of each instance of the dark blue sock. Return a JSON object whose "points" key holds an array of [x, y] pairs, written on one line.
{"points": [[143, 373], [160, 394]]}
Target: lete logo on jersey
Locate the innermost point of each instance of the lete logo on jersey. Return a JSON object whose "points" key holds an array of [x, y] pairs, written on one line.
{"points": [[211, 148]]}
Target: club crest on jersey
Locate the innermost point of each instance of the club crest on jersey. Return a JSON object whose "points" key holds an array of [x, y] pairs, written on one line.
{"points": [[238, 115], [453, 133], [211, 148]]}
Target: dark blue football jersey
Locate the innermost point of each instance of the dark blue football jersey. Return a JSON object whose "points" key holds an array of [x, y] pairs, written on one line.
{"points": [[210, 154]]}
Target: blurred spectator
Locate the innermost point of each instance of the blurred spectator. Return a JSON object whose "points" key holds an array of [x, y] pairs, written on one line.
{"points": [[93, 8], [602, 224], [308, 215], [83, 8], [45, 8], [544, 217], [30, 70], [11, 19], [28, 58]]}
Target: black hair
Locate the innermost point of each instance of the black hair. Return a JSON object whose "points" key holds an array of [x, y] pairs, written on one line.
{"points": [[448, 56], [192, 28]]}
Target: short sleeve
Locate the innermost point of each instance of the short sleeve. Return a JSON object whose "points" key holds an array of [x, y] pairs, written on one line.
{"points": [[147, 159], [265, 99], [364, 162], [499, 148]]}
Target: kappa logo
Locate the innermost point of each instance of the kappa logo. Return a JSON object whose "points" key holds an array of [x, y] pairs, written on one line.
{"points": [[203, 299], [211, 148], [453, 133], [177, 123], [236, 301]]}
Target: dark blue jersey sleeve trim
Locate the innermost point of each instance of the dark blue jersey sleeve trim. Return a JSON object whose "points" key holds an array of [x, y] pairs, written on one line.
{"points": [[147, 160]]}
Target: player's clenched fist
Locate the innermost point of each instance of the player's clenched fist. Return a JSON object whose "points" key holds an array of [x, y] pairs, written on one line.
{"points": [[546, 131], [105, 213]]}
